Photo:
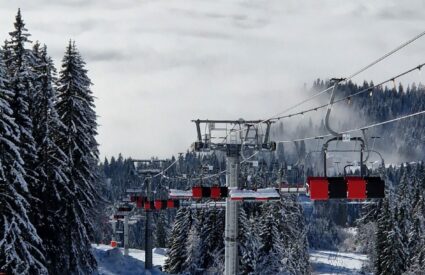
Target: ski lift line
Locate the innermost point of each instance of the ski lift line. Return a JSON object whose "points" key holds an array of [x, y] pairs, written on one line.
{"points": [[398, 48], [166, 169], [224, 171], [387, 54], [331, 87], [356, 129], [213, 175], [369, 89]]}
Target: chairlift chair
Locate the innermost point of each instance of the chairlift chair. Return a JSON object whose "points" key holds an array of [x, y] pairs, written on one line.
{"points": [[347, 187]]}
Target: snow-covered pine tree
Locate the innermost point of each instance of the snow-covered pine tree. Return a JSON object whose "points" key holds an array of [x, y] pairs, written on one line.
{"points": [[403, 219], [76, 110], [19, 243], [271, 252], [193, 246], [161, 230], [416, 232], [18, 62], [177, 254], [212, 232], [294, 236], [248, 244], [51, 165], [388, 246]]}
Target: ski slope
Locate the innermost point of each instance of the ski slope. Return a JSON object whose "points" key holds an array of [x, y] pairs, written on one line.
{"points": [[332, 262], [111, 261]]}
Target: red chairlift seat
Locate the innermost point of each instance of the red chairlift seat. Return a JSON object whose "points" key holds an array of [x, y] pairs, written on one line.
{"points": [[197, 192], [318, 188], [158, 204], [356, 188], [215, 192], [149, 205], [170, 203]]}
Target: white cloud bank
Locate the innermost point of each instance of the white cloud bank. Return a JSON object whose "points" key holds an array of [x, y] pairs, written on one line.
{"points": [[158, 64]]}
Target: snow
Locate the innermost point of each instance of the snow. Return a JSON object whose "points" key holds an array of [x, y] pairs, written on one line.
{"points": [[111, 261], [175, 193], [264, 193], [293, 189], [332, 262]]}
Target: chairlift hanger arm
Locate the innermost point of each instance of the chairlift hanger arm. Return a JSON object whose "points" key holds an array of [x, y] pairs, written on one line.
{"points": [[328, 112], [338, 138], [267, 135]]}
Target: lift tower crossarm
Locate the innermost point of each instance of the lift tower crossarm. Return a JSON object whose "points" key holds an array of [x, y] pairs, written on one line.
{"points": [[233, 144], [254, 125], [149, 172]]}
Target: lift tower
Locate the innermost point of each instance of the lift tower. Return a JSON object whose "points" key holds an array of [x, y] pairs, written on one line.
{"points": [[233, 141], [148, 172]]}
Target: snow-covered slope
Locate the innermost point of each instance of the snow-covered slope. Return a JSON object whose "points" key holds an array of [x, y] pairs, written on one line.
{"points": [[332, 262], [111, 261]]}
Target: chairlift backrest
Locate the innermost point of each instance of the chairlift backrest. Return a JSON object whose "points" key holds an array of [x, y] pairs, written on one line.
{"points": [[324, 188]]}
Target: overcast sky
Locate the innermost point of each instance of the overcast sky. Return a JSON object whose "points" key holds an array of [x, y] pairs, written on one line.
{"points": [[157, 64]]}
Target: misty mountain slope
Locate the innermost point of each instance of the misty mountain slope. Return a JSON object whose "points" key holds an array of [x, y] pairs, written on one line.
{"points": [[397, 142]]}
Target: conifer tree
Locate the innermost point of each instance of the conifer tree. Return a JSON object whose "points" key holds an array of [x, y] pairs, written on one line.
{"points": [[386, 245], [20, 246], [212, 232], [51, 165], [193, 246], [21, 84], [75, 107], [177, 254], [271, 251], [294, 236], [161, 231], [248, 244]]}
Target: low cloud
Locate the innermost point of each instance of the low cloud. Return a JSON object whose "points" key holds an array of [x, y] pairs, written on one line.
{"points": [[158, 64]]}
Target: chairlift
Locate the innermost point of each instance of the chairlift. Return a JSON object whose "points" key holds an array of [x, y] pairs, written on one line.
{"points": [[213, 192], [347, 187]]}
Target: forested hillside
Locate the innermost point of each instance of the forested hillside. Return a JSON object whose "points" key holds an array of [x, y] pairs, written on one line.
{"points": [[48, 174], [286, 230], [59, 200]]}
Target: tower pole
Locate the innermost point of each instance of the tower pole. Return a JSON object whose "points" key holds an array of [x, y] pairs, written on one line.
{"points": [[126, 235], [232, 211], [148, 229]]}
